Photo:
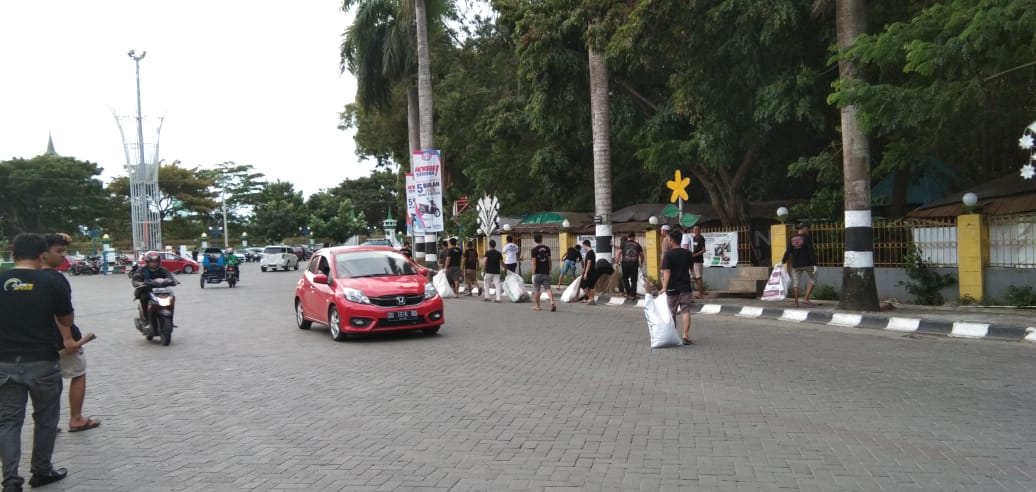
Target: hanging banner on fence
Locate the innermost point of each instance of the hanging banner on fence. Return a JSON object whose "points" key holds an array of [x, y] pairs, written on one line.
{"points": [[426, 167], [720, 249]]}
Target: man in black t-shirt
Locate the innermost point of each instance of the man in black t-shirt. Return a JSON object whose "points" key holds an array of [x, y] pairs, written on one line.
{"points": [[676, 282], [698, 254], [36, 322], [541, 272], [589, 272], [632, 260], [568, 264], [452, 265], [491, 269], [470, 266], [73, 364]]}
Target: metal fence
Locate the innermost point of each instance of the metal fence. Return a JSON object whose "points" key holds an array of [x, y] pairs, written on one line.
{"points": [[935, 238], [1012, 241]]}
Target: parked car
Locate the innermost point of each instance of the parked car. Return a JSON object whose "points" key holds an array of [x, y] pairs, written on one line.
{"points": [[378, 242], [174, 262], [279, 257], [253, 254], [366, 289]]}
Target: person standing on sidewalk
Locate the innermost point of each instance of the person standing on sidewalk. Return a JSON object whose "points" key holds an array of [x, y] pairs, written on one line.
{"points": [[491, 270], [511, 254], [632, 260], [73, 364], [698, 256], [676, 283], [802, 260], [470, 266], [541, 272], [36, 322], [453, 264], [568, 264], [589, 272]]}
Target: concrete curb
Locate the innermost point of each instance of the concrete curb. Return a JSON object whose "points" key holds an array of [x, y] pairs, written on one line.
{"points": [[869, 321]]}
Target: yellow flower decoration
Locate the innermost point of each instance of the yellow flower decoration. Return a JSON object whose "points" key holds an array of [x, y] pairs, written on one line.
{"points": [[679, 187]]}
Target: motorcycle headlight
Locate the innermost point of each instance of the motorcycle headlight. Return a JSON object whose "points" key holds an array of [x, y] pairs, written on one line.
{"points": [[165, 301], [356, 295], [429, 291]]}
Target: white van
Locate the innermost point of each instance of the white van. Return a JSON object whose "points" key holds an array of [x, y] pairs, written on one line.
{"points": [[279, 256]]}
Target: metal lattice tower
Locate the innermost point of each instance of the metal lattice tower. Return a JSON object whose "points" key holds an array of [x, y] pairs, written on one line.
{"points": [[142, 170]]}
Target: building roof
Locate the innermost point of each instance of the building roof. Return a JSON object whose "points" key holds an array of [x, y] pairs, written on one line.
{"points": [[1008, 195]]}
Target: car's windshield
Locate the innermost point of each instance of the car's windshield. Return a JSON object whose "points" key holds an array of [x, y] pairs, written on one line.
{"points": [[372, 264], [273, 250]]}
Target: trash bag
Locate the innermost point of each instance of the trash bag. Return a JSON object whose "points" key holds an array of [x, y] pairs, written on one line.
{"points": [[777, 286], [661, 325], [642, 277], [514, 287], [571, 293], [442, 284]]}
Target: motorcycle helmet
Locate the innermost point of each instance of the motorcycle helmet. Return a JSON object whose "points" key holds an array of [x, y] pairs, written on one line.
{"points": [[153, 256]]}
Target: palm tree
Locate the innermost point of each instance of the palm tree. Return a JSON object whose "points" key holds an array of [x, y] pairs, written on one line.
{"points": [[859, 288], [599, 114]]}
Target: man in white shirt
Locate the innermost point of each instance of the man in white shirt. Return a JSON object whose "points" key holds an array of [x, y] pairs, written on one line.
{"points": [[510, 252]]}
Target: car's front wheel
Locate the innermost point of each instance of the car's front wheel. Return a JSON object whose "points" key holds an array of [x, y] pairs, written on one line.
{"points": [[263, 268], [188, 269], [300, 319], [334, 324]]}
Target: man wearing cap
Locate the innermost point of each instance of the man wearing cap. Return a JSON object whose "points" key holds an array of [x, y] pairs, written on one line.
{"points": [[801, 259]]}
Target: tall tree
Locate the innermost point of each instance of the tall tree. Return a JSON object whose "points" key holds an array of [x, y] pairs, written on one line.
{"points": [[859, 288], [50, 193], [333, 217], [279, 212]]}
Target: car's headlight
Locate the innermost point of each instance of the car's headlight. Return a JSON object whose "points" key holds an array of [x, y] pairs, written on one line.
{"points": [[355, 295], [429, 291]]}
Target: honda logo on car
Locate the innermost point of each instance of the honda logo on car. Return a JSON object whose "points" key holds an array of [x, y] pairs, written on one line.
{"points": [[400, 300]]}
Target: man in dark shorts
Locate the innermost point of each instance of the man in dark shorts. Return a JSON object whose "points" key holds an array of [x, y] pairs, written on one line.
{"points": [[541, 272], [453, 264], [470, 266], [589, 272], [698, 252], [676, 282], [491, 269], [36, 322], [632, 260]]}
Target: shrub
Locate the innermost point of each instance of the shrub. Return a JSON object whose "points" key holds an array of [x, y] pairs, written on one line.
{"points": [[825, 292], [1020, 296], [924, 284]]}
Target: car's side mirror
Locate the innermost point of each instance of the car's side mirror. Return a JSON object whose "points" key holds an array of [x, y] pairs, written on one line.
{"points": [[320, 278], [422, 271]]}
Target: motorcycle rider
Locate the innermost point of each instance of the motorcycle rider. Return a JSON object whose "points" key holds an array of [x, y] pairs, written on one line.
{"points": [[153, 270], [231, 260]]}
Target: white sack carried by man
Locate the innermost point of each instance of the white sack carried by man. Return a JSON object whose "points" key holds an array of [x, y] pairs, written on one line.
{"points": [[514, 287], [442, 284], [661, 325], [777, 286], [571, 293]]}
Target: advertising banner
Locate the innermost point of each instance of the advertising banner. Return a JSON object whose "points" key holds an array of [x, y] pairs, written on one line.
{"points": [[414, 225], [426, 168], [720, 249]]}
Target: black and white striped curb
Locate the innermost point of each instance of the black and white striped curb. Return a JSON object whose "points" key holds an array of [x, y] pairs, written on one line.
{"points": [[921, 326]]}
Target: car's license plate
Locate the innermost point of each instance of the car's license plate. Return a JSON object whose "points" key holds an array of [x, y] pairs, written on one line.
{"points": [[402, 315]]}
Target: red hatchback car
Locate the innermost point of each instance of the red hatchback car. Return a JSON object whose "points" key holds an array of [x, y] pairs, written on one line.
{"points": [[174, 262], [366, 289]]}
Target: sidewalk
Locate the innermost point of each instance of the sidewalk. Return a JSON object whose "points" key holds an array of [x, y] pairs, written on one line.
{"points": [[1003, 324]]}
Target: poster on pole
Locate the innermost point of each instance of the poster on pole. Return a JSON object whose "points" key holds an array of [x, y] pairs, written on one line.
{"points": [[414, 224], [426, 167], [721, 249]]}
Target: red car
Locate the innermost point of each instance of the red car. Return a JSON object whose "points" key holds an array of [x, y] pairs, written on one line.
{"points": [[174, 262], [366, 289]]}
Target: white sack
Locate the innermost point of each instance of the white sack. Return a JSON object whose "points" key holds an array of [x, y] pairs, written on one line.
{"points": [[661, 325]]}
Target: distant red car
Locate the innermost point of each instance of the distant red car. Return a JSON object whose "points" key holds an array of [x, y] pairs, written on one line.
{"points": [[174, 262], [366, 289]]}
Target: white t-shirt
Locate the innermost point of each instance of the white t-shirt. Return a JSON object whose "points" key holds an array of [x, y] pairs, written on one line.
{"points": [[685, 241], [510, 253]]}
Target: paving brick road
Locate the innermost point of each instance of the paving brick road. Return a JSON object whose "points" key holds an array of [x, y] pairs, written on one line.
{"points": [[508, 399]]}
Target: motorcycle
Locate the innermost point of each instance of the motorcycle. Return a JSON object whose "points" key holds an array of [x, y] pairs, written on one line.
{"points": [[159, 316], [85, 266], [431, 208], [213, 275]]}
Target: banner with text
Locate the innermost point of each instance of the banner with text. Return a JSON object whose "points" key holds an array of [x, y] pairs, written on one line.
{"points": [[414, 226], [426, 168], [720, 249]]}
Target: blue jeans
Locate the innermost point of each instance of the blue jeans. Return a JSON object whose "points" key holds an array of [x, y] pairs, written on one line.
{"points": [[567, 267], [19, 381]]}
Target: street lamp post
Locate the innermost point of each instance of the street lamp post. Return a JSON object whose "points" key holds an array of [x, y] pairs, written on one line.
{"points": [[140, 114]]}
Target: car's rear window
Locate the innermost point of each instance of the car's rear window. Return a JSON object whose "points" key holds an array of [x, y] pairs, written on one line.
{"points": [[274, 250], [372, 264]]}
